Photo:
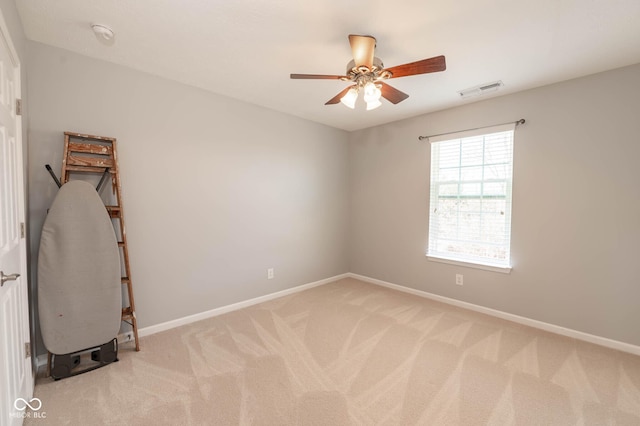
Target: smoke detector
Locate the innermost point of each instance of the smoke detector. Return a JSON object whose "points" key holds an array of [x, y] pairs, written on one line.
{"points": [[481, 89], [102, 31]]}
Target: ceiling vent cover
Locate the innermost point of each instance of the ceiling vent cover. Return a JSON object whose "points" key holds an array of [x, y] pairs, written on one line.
{"points": [[481, 89]]}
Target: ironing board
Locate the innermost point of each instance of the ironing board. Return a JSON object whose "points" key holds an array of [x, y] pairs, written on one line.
{"points": [[79, 287]]}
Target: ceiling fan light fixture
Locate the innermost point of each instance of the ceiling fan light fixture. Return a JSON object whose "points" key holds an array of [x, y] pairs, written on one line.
{"points": [[367, 72], [349, 99]]}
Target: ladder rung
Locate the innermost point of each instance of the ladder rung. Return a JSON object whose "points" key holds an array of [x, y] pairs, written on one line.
{"points": [[114, 211], [89, 137], [120, 243], [73, 160], [125, 280], [126, 313], [90, 148], [85, 169]]}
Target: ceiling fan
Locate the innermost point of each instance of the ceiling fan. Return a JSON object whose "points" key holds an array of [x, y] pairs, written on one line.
{"points": [[367, 73]]}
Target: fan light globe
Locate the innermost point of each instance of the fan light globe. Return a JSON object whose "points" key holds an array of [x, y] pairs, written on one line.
{"points": [[371, 92], [349, 99], [373, 104]]}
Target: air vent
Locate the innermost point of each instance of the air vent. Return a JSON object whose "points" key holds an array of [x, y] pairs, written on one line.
{"points": [[481, 89]]}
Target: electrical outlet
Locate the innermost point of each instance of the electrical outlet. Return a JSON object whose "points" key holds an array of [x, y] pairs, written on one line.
{"points": [[459, 280], [270, 273], [125, 337]]}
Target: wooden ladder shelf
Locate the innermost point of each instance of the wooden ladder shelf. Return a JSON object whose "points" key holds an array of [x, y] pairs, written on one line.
{"points": [[97, 155]]}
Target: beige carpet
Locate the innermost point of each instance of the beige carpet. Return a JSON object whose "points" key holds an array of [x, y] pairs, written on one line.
{"points": [[352, 353]]}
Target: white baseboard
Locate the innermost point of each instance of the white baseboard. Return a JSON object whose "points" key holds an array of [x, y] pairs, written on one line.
{"points": [[602, 341], [146, 331]]}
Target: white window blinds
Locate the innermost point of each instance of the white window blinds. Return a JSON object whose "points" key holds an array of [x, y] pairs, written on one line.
{"points": [[470, 196]]}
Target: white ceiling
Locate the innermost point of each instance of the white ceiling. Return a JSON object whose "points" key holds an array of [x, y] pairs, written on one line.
{"points": [[246, 49]]}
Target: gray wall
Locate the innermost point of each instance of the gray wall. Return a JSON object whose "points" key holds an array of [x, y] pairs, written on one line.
{"points": [[215, 190], [576, 205]]}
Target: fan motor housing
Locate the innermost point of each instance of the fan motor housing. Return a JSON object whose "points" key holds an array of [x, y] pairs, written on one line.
{"points": [[353, 69]]}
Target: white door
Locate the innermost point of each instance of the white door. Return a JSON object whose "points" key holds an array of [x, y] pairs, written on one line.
{"points": [[16, 376]]}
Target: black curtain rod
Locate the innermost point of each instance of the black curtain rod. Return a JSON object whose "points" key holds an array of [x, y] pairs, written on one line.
{"points": [[521, 121]]}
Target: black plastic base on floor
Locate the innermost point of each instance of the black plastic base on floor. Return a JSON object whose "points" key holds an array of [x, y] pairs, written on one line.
{"points": [[62, 366]]}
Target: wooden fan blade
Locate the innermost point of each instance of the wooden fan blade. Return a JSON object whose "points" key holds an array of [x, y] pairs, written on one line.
{"points": [[316, 77], [363, 48], [419, 67], [336, 98], [392, 94]]}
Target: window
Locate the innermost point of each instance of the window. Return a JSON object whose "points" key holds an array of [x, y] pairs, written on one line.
{"points": [[470, 201]]}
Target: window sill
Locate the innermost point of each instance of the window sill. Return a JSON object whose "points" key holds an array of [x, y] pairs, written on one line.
{"points": [[501, 269]]}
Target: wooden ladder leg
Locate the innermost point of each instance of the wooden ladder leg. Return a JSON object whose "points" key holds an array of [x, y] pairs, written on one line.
{"points": [[129, 313], [134, 323]]}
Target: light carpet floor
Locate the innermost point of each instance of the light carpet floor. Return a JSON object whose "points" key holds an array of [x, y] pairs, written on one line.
{"points": [[352, 353]]}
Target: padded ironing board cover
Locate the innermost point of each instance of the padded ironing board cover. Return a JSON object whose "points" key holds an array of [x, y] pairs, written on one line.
{"points": [[79, 288]]}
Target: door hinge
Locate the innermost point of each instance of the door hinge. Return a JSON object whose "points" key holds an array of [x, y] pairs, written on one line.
{"points": [[27, 349], [18, 106], [22, 231]]}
